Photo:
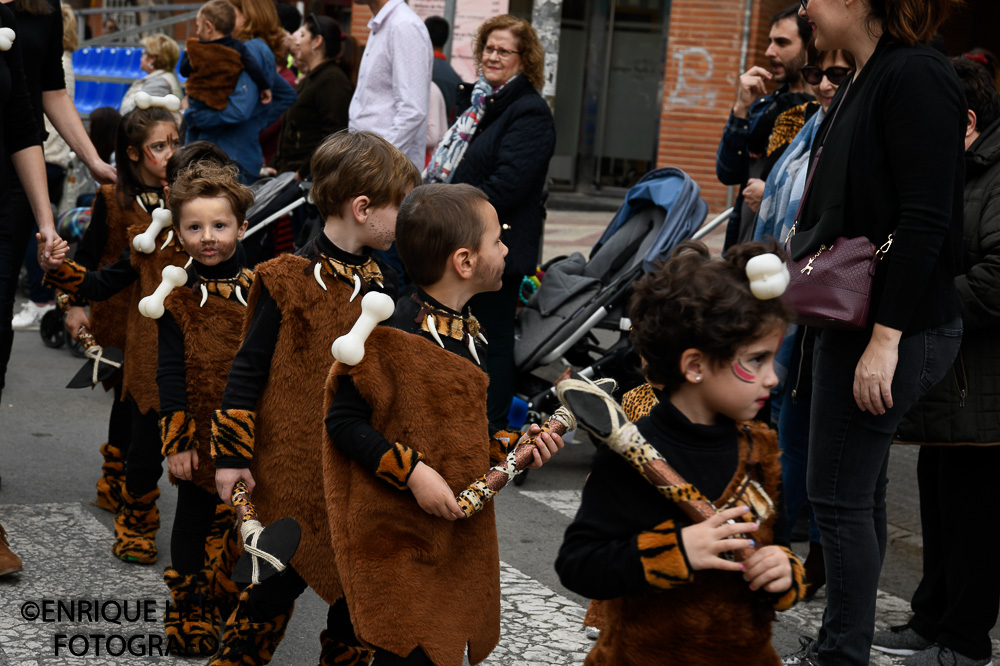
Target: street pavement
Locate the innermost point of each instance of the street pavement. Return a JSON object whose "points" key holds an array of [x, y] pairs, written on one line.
{"points": [[49, 461]]}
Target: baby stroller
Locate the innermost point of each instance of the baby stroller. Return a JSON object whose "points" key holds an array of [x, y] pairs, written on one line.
{"points": [[273, 199], [578, 316]]}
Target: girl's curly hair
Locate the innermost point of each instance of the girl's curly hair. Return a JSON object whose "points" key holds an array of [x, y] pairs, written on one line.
{"points": [[693, 301]]}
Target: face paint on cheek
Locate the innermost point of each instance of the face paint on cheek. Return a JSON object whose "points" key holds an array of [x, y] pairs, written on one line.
{"points": [[743, 374], [149, 154]]}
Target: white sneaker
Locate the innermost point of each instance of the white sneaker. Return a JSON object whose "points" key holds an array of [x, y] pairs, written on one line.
{"points": [[30, 316]]}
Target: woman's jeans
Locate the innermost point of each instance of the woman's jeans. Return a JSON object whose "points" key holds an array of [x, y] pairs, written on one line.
{"points": [[848, 459]]}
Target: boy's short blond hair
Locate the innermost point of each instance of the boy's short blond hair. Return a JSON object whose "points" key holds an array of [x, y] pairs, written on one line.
{"points": [[209, 179], [353, 164], [163, 50]]}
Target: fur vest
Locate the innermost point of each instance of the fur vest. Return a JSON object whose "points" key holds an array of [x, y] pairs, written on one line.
{"points": [[141, 356], [108, 319], [211, 340], [216, 70], [289, 430], [709, 620], [412, 579]]}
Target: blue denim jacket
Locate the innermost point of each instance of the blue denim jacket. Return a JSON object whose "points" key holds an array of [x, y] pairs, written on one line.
{"points": [[235, 128]]}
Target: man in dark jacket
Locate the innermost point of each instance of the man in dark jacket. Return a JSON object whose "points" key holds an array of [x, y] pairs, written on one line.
{"points": [[742, 158], [956, 604], [443, 75]]}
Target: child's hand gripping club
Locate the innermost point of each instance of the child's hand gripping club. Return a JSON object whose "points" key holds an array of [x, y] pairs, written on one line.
{"points": [[268, 549], [102, 361]]}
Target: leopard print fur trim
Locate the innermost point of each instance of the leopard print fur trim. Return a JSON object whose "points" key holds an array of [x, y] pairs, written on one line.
{"points": [[233, 433], [177, 433], [664, 561], [68, 277], [798, 588], [397, 464], [502, 443], [639, 402]]}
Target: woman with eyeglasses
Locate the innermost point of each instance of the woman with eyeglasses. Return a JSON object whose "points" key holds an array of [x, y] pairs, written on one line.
{"points": [[324, 95], [891, 168], [502, 144]]}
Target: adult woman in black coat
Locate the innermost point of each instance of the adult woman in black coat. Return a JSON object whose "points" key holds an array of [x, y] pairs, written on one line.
{"points": [[891, 164], [512, 140], [324, 95]]}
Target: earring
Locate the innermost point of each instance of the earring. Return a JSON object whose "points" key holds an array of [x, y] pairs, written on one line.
{"points": [[697, 378]]}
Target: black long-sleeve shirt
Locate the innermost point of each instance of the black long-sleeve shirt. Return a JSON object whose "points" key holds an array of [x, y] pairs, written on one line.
{"points": [[599, 557], [19, 129]]}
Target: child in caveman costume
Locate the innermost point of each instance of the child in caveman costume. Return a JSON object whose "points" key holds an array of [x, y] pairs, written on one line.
{"points": [[269, 430], [707, 345], [422, 581], [147, 138], [199, 334]]}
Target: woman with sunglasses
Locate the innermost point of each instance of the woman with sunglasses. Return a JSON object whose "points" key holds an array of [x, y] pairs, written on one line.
{"points": [[782, 193], [891, 164]]}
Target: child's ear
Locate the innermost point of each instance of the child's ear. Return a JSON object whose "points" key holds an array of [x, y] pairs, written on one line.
{"points": [[463, 261], [133, 153], [360, 207], [692, 365], [242, 230]]}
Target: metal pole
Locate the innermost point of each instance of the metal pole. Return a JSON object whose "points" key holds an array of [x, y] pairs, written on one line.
{"points": [[449, 15], [546, 20]]}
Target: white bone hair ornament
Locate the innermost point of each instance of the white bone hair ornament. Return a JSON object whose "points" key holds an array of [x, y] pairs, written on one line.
{"points": [[152, 305], [146, 241], [144, 100], [375, 307], [6, 39], [768, 276]]}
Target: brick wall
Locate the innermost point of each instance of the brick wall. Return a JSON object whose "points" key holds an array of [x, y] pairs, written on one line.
{"points": [[702, 70], [360, 15]]}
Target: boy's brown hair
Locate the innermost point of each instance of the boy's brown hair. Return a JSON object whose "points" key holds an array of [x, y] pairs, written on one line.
{"points": [[221, 14], [208, 179], [433, 222], [353, 164]]}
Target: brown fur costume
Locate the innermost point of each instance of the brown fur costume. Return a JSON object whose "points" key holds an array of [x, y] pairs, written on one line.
{"points": [[108, 318], [715, 619], [215, 70], [141, 356], [289, 426], [411, 578], [211, 340]]}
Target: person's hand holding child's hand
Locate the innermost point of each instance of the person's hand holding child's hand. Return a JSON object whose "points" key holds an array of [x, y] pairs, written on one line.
{"points": [[770, 569], [704, 542], [50, 261], [546, 445], [433, 493]]}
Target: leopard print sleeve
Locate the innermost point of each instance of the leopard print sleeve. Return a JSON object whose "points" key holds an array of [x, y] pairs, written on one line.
{"points": [[177, 433], [233, 433], [397, 464], [68, 277], [639, 402], [798, 588], [661, 551]]}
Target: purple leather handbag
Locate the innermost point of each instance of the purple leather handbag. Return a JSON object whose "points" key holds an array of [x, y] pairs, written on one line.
{"points": [[832, 288]]}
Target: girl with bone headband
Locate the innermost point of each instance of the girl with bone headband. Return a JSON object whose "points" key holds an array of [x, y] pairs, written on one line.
{"points": [[706, 331], [115, 269]]}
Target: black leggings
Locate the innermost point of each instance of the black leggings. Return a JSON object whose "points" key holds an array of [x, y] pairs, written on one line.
{"points": [[415, 658], [192, 525], [143, 460], [277, 594]]}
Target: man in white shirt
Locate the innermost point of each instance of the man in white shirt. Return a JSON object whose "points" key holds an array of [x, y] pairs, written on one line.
{"points": [[394, 81]]}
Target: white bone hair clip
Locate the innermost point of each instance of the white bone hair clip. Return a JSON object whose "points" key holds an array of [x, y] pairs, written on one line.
{"points": [[350, 348], [144, 100], [768, 276], [6, 39], [146, 241], [152, 305]]}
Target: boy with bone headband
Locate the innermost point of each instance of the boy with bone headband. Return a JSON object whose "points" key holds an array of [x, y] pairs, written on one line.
{"points": [[268, 432], [199, 313], [408, 559], [132, 211]]}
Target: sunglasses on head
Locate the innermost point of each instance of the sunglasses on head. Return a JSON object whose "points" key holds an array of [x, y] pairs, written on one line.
{"points": [[814, 75], [805, 5]]}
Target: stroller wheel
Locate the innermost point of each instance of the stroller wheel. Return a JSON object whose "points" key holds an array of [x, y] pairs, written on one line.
{"points": [[51, 329], [521, 478]]}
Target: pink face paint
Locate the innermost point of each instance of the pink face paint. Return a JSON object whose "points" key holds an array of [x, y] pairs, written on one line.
{"points": [[743, 374]]}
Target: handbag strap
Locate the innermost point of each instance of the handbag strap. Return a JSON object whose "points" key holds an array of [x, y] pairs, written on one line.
{"points": [[815, 160]]}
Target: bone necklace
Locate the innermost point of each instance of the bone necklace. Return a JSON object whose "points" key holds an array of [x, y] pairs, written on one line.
{"points": [[226, 287], [360, 277], [438, 322]]}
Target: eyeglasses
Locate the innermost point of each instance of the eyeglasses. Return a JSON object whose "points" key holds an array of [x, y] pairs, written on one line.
{"points": [[503, 54], [835, 75]]}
